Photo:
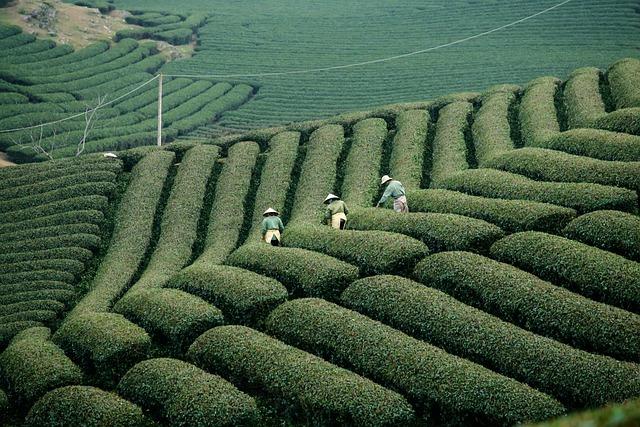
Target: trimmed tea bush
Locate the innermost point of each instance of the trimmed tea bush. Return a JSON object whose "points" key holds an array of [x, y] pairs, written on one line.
{"points": [[613, 231], [74, 204], [10, 330], [510, 215], [574, 377], [491, 129], [275, 179], [243, 296], [624, 82], [622, 414], [374, 252], [50, 184], [593, 272], [550, 165], [180, 218], [84, 405], [227, 212], [37, 305], [105, 344], [596, 143], [317, 176], [440, 232], [32, 365], [449, 145], [537, 115], [525, 300], [304, 273], [361, 174], [582, 99], [434, 379], [131, 234], [319, 391], [76, 221], [184, 395], [87, 241], [102, 188], [583, 197], [409, 145], [170, 314], [626, 120]]}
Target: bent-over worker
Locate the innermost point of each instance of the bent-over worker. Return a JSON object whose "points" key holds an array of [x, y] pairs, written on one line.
{"points": [[395, 190], [336, 212], [272, 227]]}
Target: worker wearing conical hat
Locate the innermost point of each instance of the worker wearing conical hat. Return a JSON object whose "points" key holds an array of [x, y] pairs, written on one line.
{"points": [[336, 212], [395, 190], [272, 227]]}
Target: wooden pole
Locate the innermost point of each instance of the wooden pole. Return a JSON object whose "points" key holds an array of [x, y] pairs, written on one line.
{"points": [[160, 110]]}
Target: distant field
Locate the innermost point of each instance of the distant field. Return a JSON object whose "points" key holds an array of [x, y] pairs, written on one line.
{"points": [[250, 36]]}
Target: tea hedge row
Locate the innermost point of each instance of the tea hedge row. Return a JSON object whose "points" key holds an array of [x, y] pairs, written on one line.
{"points": [[613, 231], [449, 145], [18, 231], [373, 252], [491, 129], [624, 82], [440, 232], [575, 377], [437, 381], [92, 202], [361, 182], [319, 391], [304, 273], [627, 413], [593, 272], [408, 147], [583, 102], [537, 113], [510, 215], [583, 197], [533, 304], [182, 394], [244, 297], [596, 143], [227, 213]]}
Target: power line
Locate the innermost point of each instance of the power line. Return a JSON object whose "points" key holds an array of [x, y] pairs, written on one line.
{"points": [[83, 113], [373, 61]]}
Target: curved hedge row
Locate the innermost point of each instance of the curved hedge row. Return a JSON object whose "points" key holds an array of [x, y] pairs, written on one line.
{"points": [[71, 266], [613, 231], [593, 272], [583, 197], [227, 213], [318, 174], [440, 232], [10, 330], [537, 115], [440, 382], [624, 82], [180, 217], [32, 365], [574, 377], [52, 231], [449, 145], [626, 120], [596, 143], [582, 99], [322, 393], [77, 221], [93, 202], [303, 272], [510, 215], [373, 252], [106, 345], [184, 395], [243, 296], [525, 300], [491, 129], [276, 178], [550, 165], [131, 234], [408, 148], [361, 179], [84, 405], [86, 241], [622, 414]]}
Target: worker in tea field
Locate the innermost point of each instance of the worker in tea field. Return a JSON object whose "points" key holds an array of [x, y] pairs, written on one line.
{"points": [[336, 213], [395, 190], [272, 227]]}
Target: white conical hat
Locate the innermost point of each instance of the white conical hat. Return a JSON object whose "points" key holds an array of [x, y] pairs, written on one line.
{"points": [[331, 196], [270, 211], [110, 155], [384, 179]]}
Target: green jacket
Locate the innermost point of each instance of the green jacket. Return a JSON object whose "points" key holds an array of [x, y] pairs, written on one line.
{"points": [[337, 206], [394, 190], [271, 223]]}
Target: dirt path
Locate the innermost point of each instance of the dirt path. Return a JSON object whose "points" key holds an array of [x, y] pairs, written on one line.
{"points": [[3, 160]]}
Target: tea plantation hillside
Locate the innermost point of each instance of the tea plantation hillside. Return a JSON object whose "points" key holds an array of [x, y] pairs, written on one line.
{"points": [[135, 291], [41, 82], [252, 37]]}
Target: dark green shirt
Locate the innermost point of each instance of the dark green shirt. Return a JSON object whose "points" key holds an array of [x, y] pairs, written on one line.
{"points": [[271, 223], [337, 206]]}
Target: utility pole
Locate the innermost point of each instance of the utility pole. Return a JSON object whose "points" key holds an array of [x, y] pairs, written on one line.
{"points": [[160, 110]]}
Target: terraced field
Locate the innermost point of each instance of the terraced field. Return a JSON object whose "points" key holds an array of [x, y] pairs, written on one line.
{"points": [[135, 291], [41, 82]]}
